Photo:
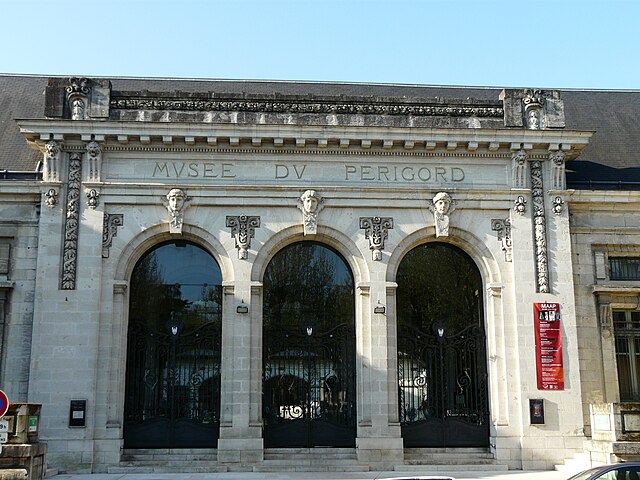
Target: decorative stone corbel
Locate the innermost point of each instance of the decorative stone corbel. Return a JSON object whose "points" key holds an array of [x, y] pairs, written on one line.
{"points": [[376, 230], [110, 226], [52, 198], [519, 168], [442, 206], [520, 206], [557, 161], [605, 314], [78, 97], [243, 229], [51, 164], [92, 198], [310, 203], [176, 202], [503, 227], [94, 161]]}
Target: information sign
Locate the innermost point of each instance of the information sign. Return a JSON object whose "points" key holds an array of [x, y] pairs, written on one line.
{"points": [[548, 335]]}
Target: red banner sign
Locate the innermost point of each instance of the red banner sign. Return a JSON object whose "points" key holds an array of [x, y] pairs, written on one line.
{"points": [[549, 365]]}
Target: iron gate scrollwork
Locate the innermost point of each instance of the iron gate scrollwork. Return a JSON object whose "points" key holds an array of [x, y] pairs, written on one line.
{"points": [[309, 387], [173, 387], [443, 387]]}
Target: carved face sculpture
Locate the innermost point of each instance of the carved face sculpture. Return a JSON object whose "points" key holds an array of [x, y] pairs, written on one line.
{"points": [[442, 202], [533, 119], [310, 201], [176, 198]]}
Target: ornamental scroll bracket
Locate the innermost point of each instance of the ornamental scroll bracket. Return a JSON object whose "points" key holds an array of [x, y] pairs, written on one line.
{"points": [[376, 230], [243, 229], [110, 226], [503, 227]]}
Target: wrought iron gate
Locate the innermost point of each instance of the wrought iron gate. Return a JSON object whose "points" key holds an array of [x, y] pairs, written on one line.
{"points": [[173, 387], [309, 387], [443, 387]]}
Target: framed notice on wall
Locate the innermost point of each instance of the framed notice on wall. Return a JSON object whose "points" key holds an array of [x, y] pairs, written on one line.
{"points": [[548, 332]]}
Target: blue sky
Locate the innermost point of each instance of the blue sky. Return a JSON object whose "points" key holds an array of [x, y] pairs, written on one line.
{"points": [[517, 43]]}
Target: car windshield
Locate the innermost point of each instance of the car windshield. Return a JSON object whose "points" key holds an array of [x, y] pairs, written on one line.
{"points": [[586, 474]]}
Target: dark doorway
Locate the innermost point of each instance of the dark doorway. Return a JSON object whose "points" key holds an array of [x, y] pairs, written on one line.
{"points": [[442, 371], [309, 389], [172, 393]]}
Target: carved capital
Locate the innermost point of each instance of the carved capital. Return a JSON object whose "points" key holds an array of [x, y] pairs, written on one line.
{"points": [[243, 229], [376, 230], [557, 162], [94, 160], [51, 163], [519, 168]]}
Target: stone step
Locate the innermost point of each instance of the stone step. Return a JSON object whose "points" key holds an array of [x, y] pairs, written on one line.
{"points": [[303, 456], [179, 451], [310, 468], [310, 462], [310, 451], [212, 457], [168, 469], [494, 467], [410, 451], [449, 461]]}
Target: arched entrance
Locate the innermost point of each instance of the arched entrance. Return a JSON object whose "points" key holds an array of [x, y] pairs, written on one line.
{"points": [[309, 389], [172, 392], [442, 368]]}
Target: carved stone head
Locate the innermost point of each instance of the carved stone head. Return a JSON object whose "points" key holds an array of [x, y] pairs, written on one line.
{"points": [[310, 201], [175, 200], [442, 203]]}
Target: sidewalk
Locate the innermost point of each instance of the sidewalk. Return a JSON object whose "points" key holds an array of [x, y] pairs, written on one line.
{"points": [[510, 475]]}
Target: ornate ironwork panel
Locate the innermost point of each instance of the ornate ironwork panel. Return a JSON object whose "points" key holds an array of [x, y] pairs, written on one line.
{"points": [[443, 387], [309, 387], [173, 387]]}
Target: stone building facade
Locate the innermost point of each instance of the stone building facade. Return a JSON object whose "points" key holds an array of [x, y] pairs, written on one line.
{"points": [[108, 184]]}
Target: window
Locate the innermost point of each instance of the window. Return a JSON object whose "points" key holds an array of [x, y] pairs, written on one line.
{"points": [[624, 268], [627, 336]]}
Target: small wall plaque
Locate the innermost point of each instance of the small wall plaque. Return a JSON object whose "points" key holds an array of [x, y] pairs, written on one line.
{"points": [[77, 413]]}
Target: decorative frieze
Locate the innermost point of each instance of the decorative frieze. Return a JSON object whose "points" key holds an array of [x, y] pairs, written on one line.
{"points": [[376, 230], [519, 168], [520, 205], [539, 228], [71, 226], [243, 229], [503, 227], [94, 161], [176, 202], [110, 226], [442, 206], [131, 103], [92, 198], [310, 203], [52, 198], [51, 164]]}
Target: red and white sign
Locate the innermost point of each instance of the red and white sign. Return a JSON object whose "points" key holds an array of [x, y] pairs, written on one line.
{"points": [[4, 403], [549, 366]]}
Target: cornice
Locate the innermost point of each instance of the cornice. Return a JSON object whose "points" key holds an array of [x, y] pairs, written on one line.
{"points": [[300, 137]]}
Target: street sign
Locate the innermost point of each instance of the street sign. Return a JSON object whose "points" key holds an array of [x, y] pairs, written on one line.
{"points": [[4, 403], [4, 426], [4, 437]]}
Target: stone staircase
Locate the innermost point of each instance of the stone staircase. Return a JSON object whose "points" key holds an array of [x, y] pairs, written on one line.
{"points": [[169, 460], [450, 460], [310, 460]]}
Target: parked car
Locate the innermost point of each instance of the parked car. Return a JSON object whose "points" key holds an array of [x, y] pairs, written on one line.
{"points": [[618, 471]]}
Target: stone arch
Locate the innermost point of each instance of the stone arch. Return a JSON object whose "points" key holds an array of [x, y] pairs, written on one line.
{"points": [[494, 316], [157, 234], [326, 235], [463, 239]]}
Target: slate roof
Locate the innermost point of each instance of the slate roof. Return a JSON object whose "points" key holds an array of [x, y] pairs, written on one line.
{"points": [[612, 159]]}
